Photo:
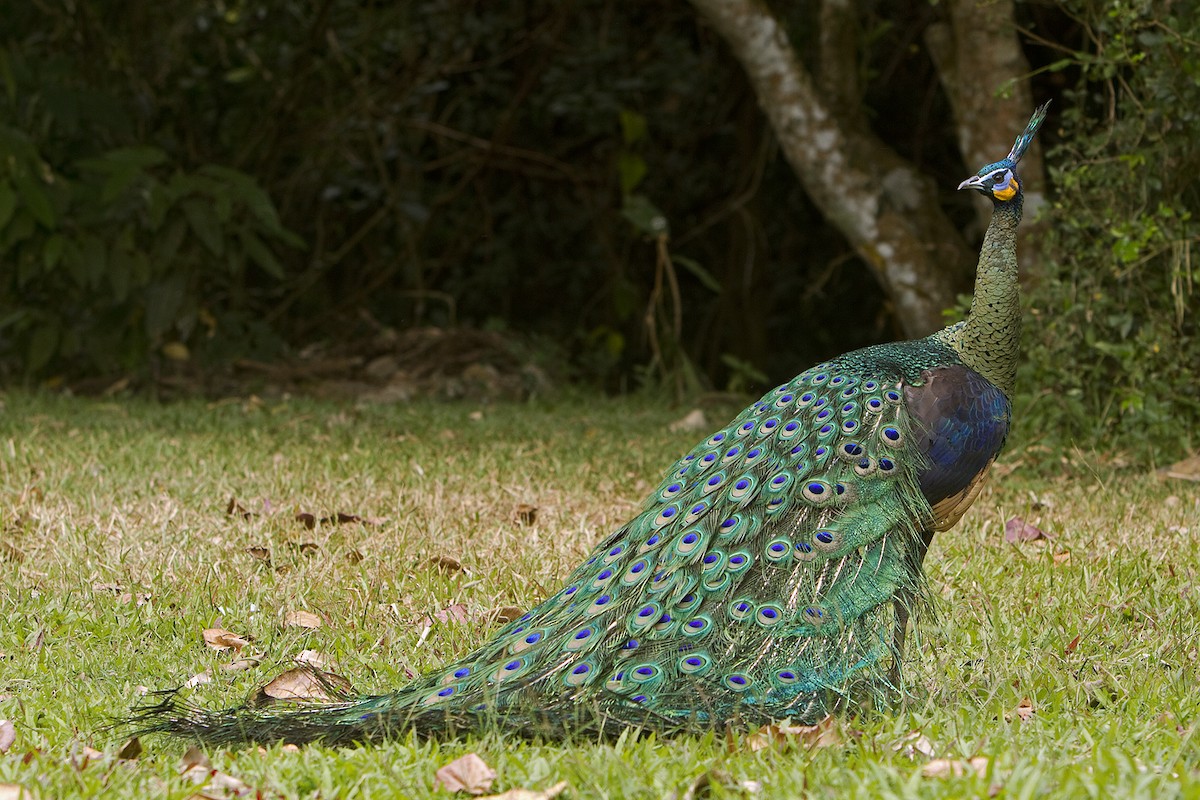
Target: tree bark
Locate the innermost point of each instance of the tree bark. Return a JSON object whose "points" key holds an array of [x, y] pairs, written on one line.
{"points": [[984, 73], [886, 209]]}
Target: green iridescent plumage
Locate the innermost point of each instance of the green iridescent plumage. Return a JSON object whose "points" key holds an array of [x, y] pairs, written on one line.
{"points": [[769, 575]]}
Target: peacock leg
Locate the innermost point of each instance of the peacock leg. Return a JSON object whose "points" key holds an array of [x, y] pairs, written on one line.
{"points": [[902, 603]]}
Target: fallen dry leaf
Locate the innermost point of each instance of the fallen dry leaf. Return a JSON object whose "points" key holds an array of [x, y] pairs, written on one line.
{"points": [[215, 785], [452, 613], [194, 757], [447, 565], [198, 679], [780, 735], [242, 663], [469, 774], [694, 420], [305, 684], [310, 520], [702, 785], [13, 791], [8, 735], [1186, 470], [83, 756], [141, 598], [1018, 530], [130, 750], [308, 549], [525, 514], [260, 554], [10, 553], [1024, 710], [221, 639], [530, 794], [234, 508], [302, 619], [314, 658], [354, 557], [505, 614], [914, 743], [1071, 645], [1062, 559], [954, 768]]}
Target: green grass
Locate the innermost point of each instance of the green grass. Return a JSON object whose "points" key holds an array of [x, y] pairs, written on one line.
{"points": [[105, 502]]}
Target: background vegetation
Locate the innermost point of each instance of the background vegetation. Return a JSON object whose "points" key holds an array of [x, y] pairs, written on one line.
{"points": [[205, 182]]}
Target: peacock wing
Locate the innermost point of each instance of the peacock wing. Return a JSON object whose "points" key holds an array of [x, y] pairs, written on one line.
{"points": [[961, 422]]}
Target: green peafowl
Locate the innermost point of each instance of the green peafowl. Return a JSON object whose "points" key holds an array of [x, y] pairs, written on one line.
{"points": [[770, 575]]}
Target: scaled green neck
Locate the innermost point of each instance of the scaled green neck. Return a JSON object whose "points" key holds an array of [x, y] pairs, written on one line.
{"points": [[989, 340]]}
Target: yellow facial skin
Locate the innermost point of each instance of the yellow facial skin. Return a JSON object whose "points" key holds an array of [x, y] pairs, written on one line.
{"points": [[1008, 192]]}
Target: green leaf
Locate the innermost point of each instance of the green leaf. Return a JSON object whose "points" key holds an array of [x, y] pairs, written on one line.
{"points": [[123, 159], [18, 230], [144, 157], [243, 189], [53, 250], [13, 317], [223, 204], [120, 271], [76, 267], [42, 345], [35, 200], [261, 254], [163, 302], [8, 203], [702, 275], [159, 200], [644, 215], [239, 74], [633, 126], [247, 192], [94, 257], [204, 224], [10, 81], [117, 182], [632, 168], [166, 244]]}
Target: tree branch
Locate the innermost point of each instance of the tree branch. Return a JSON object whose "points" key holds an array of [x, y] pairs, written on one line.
{"points": [[978, 57], [886, 209]]}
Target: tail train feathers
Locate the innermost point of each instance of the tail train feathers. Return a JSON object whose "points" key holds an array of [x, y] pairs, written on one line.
{"points": [[757, 583]]}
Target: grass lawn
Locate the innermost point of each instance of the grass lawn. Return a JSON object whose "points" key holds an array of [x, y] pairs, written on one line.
{"points": [[1062, 667]]}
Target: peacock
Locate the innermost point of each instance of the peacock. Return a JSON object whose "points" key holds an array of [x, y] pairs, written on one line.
{"points": [[772, 572]]}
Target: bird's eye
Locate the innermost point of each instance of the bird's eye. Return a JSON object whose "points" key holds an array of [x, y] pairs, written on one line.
{"points": [[999, 178]]}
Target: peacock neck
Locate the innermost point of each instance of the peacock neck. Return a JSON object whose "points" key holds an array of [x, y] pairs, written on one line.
{"points": [[989, 340]]}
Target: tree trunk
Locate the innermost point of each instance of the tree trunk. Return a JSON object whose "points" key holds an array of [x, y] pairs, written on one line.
{"points": [[984, 72], [886, 209]]}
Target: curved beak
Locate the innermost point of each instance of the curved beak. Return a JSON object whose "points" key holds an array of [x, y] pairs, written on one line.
{"points": [[974, 182]]}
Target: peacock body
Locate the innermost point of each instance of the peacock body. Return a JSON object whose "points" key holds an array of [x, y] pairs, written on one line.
{"points": [[769, 575]]}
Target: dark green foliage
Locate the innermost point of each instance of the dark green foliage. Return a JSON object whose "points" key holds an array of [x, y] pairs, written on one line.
{"points": [[447, 162], [112, 252], [1112, 352]]}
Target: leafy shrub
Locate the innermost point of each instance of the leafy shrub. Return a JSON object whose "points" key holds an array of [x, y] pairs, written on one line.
{"points": [[115, 255], [1113, 351]]}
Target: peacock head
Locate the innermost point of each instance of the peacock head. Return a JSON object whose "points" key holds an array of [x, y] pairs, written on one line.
{"points": [[999, 180]]}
